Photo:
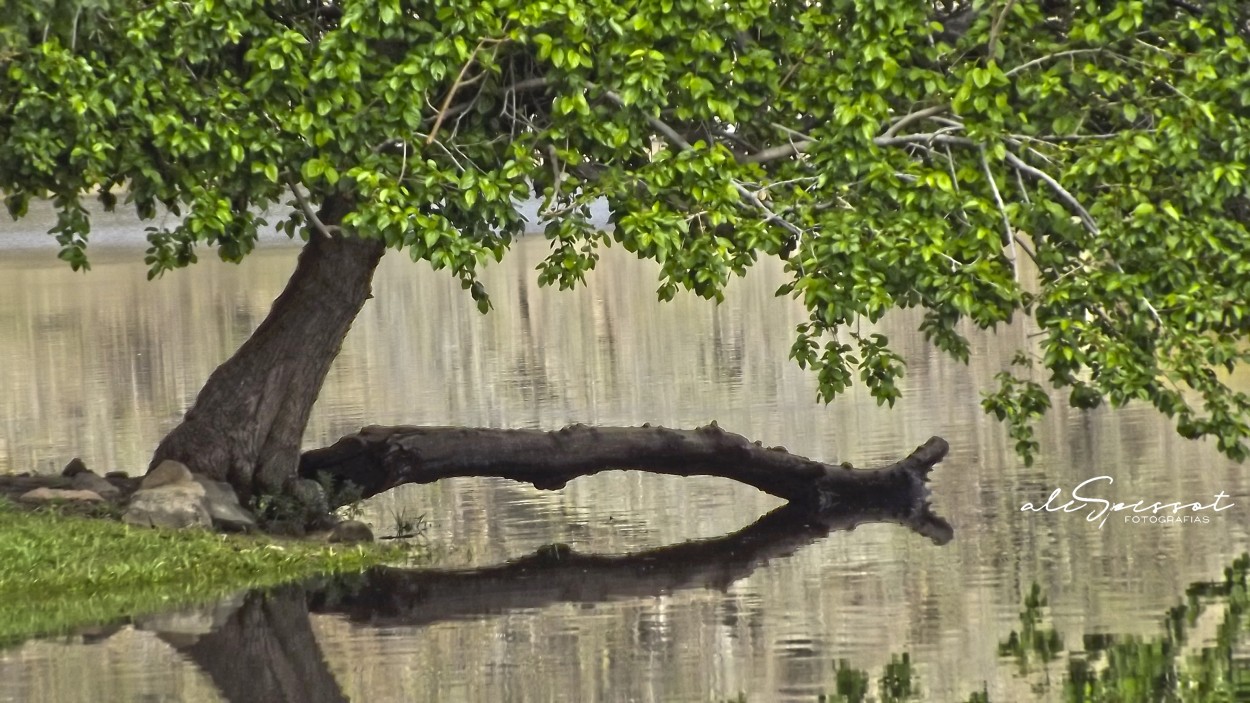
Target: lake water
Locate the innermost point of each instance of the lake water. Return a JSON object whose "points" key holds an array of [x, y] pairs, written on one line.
{"points": [[101, 365]]}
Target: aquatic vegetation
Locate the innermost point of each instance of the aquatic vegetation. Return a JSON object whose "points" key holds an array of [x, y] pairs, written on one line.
{"points": [[1178, 665]]}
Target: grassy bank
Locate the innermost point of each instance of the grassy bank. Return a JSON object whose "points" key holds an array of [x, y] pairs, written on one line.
{"points": [[60, 571]]}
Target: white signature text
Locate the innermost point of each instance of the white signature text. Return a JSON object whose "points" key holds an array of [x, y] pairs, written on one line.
{"points": [[1100, 508]]}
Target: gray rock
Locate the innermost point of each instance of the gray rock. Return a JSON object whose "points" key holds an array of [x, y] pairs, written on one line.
{"points": [[173, 506], [191, 622], [117, 474], [351, 531], [223, 506], [73, 468], [87, 481], [46, 495], [166, 473], [309, 494]]}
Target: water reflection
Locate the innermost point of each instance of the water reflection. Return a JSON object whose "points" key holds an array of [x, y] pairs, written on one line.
{"points": [[557, 574], [100, 365], [266, 650]]}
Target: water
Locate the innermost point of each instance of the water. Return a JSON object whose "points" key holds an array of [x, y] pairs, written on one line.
{"points": [[101, 365]]}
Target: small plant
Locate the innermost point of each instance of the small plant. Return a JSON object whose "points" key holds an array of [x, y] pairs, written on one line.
{"points": [[851, 684], [344, 497], [982, 696], [276, 509], [897, 682], [407, 527]]}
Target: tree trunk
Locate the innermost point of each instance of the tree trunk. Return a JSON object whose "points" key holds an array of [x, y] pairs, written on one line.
{"points": [[247, 422], [379, 458]]}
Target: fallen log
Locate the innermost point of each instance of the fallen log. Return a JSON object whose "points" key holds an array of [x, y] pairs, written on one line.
{"points": [[377, 459]]}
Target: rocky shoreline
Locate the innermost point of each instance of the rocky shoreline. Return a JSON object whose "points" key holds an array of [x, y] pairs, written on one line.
{"points": [[168, 497]]}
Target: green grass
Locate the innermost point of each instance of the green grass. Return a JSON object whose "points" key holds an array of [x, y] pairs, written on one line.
{"points": [[60, 571]]}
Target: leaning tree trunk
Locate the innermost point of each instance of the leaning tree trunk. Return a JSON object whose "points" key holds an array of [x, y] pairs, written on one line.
{"points": [[247, 422]]}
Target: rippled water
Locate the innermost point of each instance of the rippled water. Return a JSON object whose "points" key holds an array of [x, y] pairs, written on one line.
{"points": [[100, 365]]}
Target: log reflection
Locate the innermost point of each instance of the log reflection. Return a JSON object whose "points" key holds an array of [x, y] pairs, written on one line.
{"points": [[556, 574], [266, 651]]}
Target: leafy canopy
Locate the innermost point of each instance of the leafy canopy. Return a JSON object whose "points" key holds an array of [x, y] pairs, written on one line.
{"points": [[1081, 163]]}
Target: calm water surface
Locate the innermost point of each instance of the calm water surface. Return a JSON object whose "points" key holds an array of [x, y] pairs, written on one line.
{"points": [[101, 365]]}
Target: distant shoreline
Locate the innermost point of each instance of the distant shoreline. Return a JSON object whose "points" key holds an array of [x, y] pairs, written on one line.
{"points": [[123, 230]]}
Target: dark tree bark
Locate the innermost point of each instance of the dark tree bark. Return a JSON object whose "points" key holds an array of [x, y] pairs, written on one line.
{"points": [[379, 458], [248, 421]]}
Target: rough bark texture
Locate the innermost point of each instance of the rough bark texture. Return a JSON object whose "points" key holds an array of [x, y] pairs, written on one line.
{"points": [[554, 574], [247, 422], [379, 458]]}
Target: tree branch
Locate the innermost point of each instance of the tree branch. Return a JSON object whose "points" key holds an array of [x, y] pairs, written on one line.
{"points": [[680, 142], [784, 150], [656, 123], [997, 28], [310, 214], [1074, 205], [1009, 239], [1050, 57], [1186, 6], [914, 117], [377, 459], [451, 92]]}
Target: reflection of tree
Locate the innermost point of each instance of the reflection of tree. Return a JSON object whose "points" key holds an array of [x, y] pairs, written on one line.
{"points": [[1184, 663], [1180, 665], [556, 574], [267, 652]]}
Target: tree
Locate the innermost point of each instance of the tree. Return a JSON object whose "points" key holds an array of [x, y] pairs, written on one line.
{"points": [[1079, 163]]}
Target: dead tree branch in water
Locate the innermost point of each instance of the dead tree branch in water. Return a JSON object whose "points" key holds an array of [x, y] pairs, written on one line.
{"points": [[377, 459]]}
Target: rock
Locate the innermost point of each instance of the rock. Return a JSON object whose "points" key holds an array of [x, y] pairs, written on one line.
{"points": [[73, 468], [308, 504], [45, 495], [87, 481], [309, 494], [98, 633], [172, 505], [166, 473], [351, 531], [223, 506], [188, 624], [117, 474]]}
